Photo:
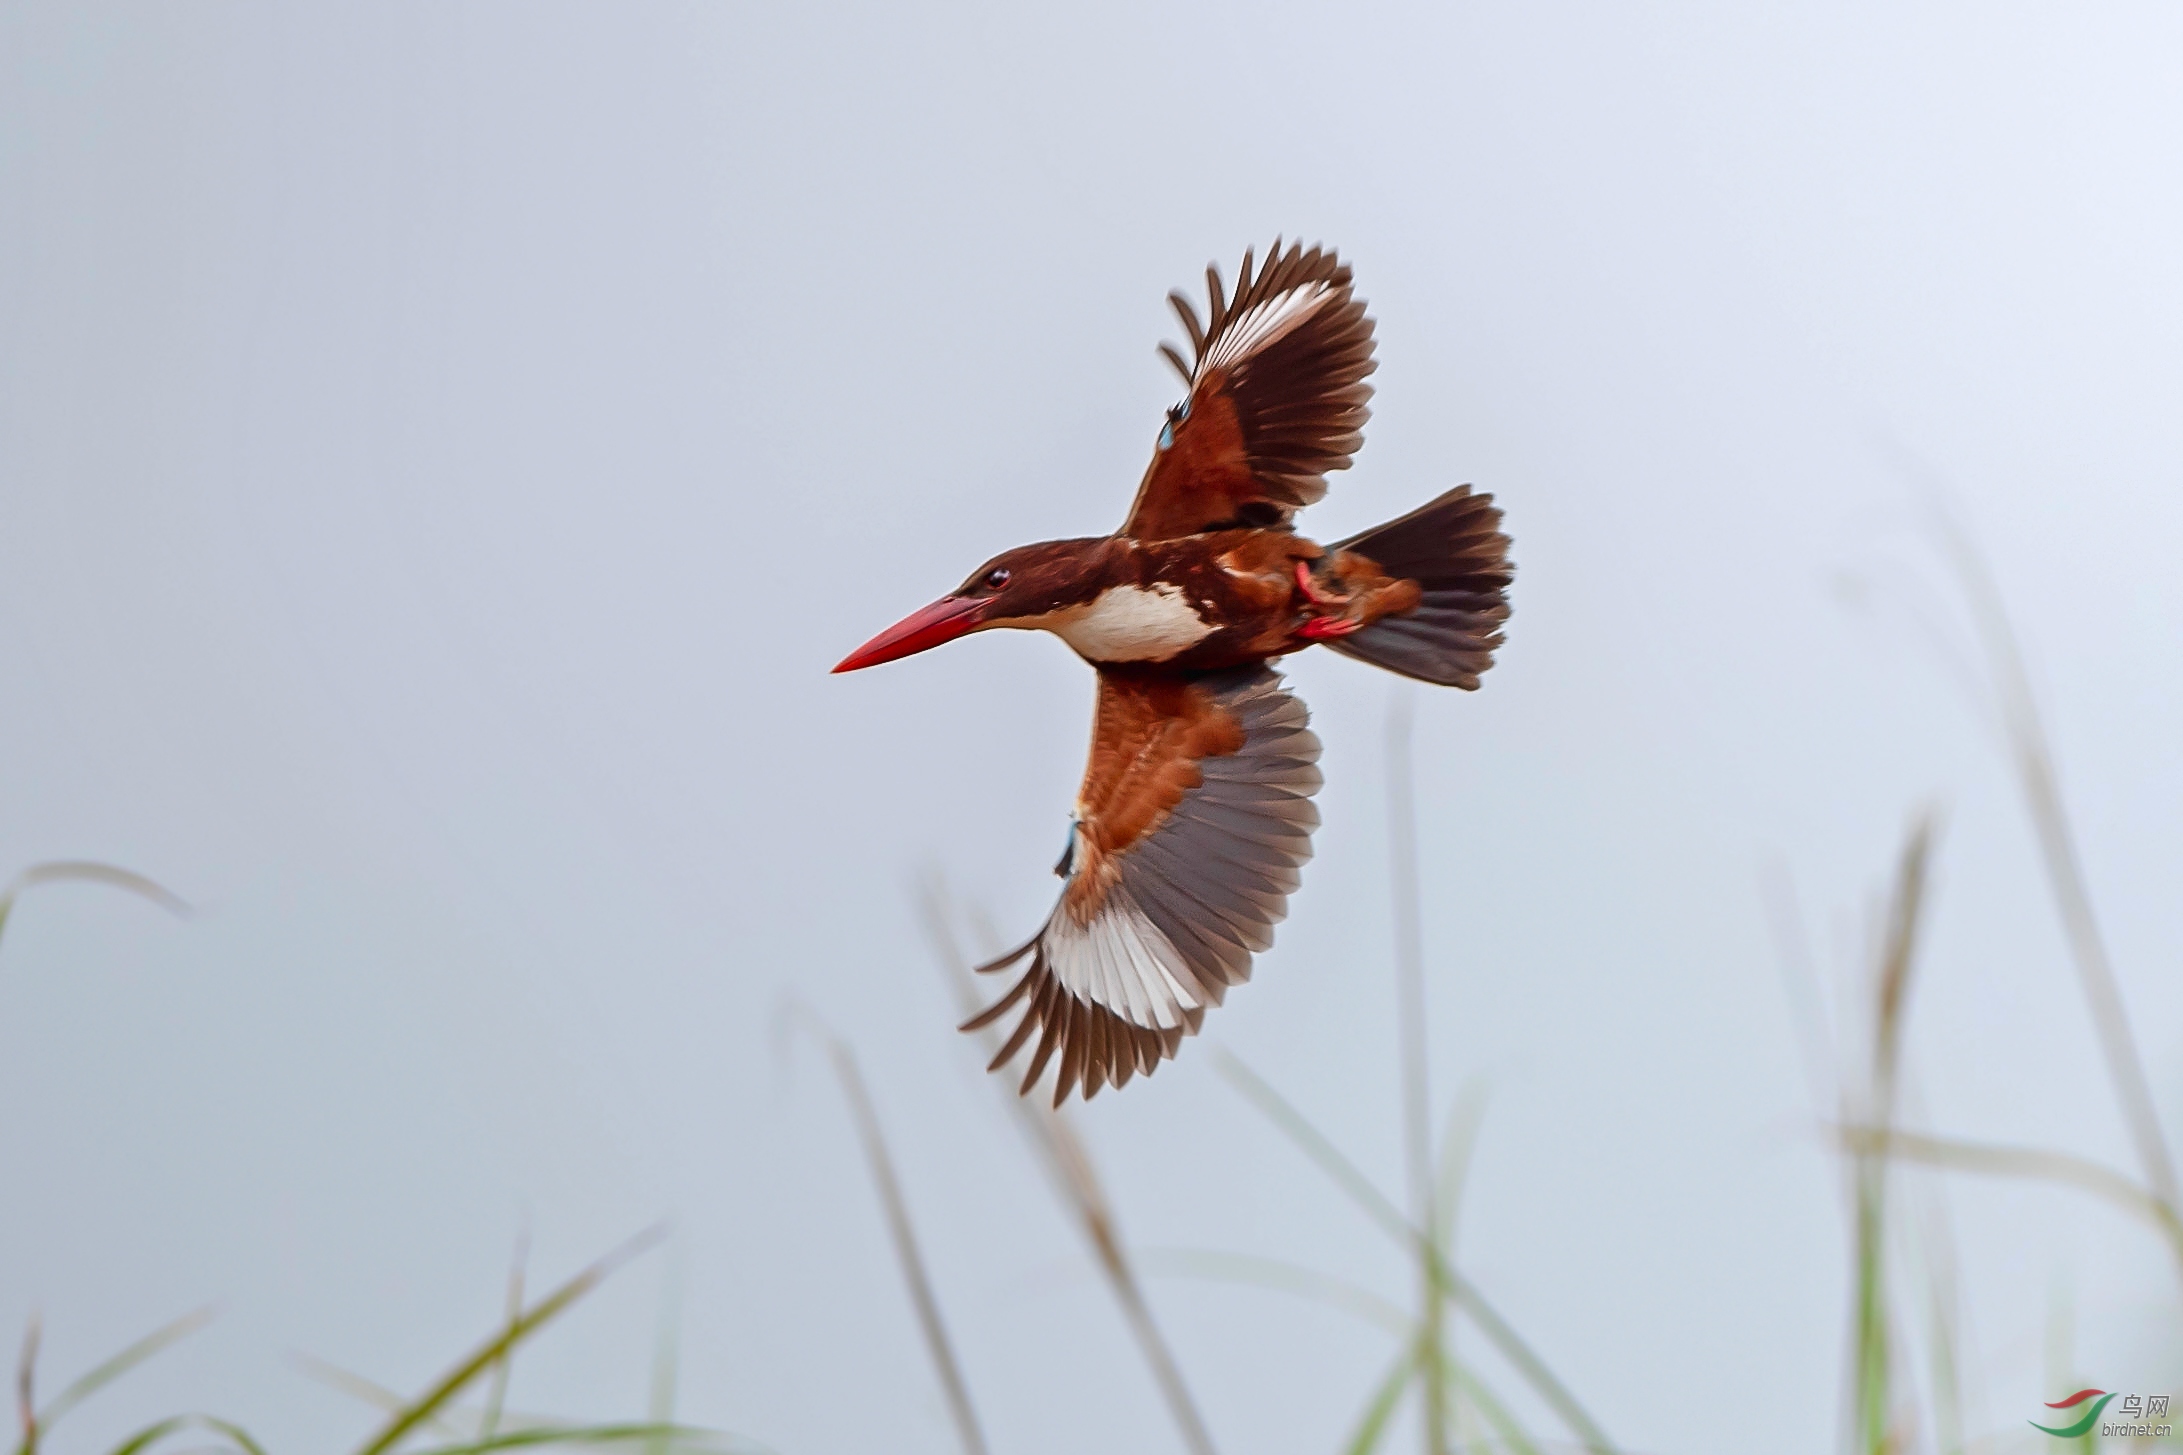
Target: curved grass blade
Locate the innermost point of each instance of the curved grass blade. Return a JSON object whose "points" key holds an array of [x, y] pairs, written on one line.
{"points": [[1465, 1294], [1380, 1408], [90, 1383], [1513, 1436], [90, 871], [367, 1391], [2040, 782], [1283, 1277], [496, 1393], [896, 1206], [2032, 1163], [684, 1439], [1417, 1110], [544, 1311], [152, 1434], [1458, 1139], [1069, 1167]]}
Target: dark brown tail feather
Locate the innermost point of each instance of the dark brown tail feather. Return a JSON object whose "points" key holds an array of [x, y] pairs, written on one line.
{"points": [[1454, 549]]}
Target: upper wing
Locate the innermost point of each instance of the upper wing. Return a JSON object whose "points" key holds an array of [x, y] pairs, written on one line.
{"points": [[1277, 398], [1193, 821]]}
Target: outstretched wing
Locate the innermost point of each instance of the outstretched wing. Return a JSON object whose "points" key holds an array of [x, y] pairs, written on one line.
{"points": [[1277, 398], [1193, 821]]}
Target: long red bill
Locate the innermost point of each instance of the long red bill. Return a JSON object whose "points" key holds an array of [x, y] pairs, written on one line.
{"points": [[943, 621]]}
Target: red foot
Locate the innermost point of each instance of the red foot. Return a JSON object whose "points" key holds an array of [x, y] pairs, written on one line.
{"points": [[1320, 628]]}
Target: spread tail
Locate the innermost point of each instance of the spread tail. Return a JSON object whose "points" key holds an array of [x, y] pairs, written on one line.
{"points": [[1453, 548]]}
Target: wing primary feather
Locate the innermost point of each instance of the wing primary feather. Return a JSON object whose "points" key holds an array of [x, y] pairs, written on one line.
{"points": [[1126, 1062], [1011, 957], [1095, 1051], [1045, 1010], [1022, 1033], [992, 1012], [1072, 1049], [1188, 313]]}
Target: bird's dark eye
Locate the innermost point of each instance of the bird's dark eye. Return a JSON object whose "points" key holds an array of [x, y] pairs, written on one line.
{"points": [[996, 578]]}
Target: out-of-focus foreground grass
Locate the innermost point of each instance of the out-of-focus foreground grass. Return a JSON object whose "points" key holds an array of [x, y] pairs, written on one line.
{"points": [[1457, 1362]]}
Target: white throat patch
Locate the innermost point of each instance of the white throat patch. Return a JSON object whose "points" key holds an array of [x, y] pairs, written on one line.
{"points": [[1129, 624]]}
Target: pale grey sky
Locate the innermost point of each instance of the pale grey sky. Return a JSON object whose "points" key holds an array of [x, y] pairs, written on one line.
{"points": [[442, 449]]}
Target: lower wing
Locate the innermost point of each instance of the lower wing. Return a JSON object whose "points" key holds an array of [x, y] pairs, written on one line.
{"points": [[1193, 822]]}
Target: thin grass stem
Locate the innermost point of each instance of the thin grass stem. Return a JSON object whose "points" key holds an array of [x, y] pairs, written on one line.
{"points": [[1388, 1217], [2032, 1163], [90, 1383], [666, 1353], [496, 1392], [477, 1363], [1075, 1181], [642, 1432], [2033, 755], [1380, 1409], [907, 1253], [1417, 1114], [153, 1433], [1873, 1363]]}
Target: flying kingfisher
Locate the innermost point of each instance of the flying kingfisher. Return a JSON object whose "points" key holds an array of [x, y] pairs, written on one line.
{"points": [[1195, 814]]}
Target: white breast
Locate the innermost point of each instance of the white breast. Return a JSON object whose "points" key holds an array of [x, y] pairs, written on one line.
{"points": [[1130, 624]]}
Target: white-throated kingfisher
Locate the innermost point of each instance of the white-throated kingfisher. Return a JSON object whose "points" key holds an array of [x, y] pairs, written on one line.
{"points": [[1195, 815]]}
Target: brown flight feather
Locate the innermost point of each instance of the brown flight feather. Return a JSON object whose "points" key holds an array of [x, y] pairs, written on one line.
{"points": [[1266, 422]]}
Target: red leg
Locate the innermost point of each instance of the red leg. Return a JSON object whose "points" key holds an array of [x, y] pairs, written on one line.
{"points": [[1311, 592]]}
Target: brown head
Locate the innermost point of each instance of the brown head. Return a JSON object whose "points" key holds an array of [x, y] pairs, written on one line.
{"points": [[1019, 588]]}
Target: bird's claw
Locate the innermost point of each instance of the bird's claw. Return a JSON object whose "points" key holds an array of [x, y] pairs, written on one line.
{"points": [[1311, 591], [1318, 628]]}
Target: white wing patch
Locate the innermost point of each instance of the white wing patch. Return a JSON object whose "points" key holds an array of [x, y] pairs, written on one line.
{"points": [[1130, 624], [1194, 899], [1121, 962], [1263, 323]]}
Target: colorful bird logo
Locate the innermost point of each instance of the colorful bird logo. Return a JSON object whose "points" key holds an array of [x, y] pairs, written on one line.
{"points": [[2091, 1416]]}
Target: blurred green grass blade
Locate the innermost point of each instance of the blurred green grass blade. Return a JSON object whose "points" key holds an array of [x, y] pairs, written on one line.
{"points": [[1526, 1361], [1482, 1313], [2032, 1163], [26, 1384], [1380, 1408], [1875, 1360], [1458, 1138], [152, 1434], [112, 1369], [1513, 1436], [666, 1355], [348, 1382], [1315, 1145], [1283, 1277], [895, 1206], [496, 1393], [368, 1391], [682, 1438], [2039, 780], [1075, 1180], [1415, 1060], [543, 1312]]}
